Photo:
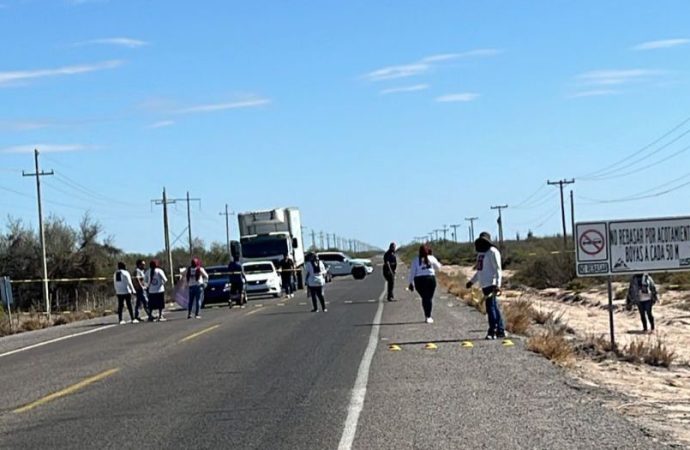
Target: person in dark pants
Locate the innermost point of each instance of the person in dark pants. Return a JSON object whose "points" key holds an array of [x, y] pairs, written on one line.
{"points": [[390, 265], [196, 280], [155, 280], [489, 274], [423, 279], [316, 280], [124, 290], [642, 292], [140, 288], [287, 275], [237, 282]]}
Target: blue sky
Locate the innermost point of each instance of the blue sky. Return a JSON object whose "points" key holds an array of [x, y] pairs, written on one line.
{"points": [[381, 120]]}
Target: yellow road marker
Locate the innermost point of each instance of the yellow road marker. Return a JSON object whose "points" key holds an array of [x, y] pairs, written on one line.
{"points": [[467, 344], [508, 343], [198, 333], [430, 346], [394, 348], [67, 391]]}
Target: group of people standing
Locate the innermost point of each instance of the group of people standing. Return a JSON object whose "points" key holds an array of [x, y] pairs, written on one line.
{"points": [[422, 278], [148, 288]]}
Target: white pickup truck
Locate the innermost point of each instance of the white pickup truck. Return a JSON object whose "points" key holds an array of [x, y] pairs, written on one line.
{"points": [[339, 264]]}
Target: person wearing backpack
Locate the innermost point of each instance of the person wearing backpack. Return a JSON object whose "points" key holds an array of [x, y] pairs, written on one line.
{"points": [[196, 280], [124, 289], [643, 293], [155, 280], [316, 280]]}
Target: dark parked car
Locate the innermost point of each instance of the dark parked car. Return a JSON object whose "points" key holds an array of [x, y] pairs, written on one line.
{"points": [[218, 288]]}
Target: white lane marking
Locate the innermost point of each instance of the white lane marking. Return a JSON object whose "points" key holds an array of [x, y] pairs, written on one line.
{"points": [[52, 341], [348, 301], [359, 391]]}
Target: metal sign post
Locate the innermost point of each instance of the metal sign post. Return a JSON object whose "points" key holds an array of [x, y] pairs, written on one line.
{"points": [[611, 328]]}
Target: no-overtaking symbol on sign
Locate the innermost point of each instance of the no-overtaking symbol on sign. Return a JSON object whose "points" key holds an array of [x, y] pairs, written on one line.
{"points": [[592, 242]]}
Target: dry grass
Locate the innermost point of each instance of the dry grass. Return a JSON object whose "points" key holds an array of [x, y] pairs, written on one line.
{"points": [[33, 322], [654, 353], [596, 346], [553, 345], [518, 316]]}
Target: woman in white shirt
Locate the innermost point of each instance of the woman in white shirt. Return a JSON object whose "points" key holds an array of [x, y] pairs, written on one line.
{"points": [[124, 290], [197, 278], [316, 279], [423, 278], [155, 280]]}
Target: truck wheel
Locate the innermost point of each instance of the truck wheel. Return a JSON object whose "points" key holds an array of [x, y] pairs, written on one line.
{"points": [[300, 280], [359, 273]]}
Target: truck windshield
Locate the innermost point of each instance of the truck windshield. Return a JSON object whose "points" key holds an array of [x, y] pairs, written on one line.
{"points": [[263, 247]]}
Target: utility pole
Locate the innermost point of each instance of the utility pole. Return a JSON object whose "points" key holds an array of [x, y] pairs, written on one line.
{"points": [[560, 184], [471, 221], [328, 241], [500, 223], [313, 239], [166, 231], [436, 231], [227, 215], [572, 218], [445, 230], [38, 174], [455, 232], [189, 224], [321, 240]]}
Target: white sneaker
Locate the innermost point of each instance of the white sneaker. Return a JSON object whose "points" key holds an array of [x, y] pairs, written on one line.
{"points": [[135, 321], [122, 322], [429, 320], [162, 319], [197, 317]]}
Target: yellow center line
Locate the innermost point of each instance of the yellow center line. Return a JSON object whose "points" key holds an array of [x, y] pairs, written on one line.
{"points": [[67, 391], [198, 333]]}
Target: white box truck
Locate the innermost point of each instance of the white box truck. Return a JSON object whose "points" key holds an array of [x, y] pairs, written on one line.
{"points": [[268, 235]]}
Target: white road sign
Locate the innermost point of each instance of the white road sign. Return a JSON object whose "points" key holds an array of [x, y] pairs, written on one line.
{"points": [[632, 246], [650, 245], [592, 249]]}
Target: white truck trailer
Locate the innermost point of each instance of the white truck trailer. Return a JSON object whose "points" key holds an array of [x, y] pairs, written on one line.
{"points": [[268, 235]]}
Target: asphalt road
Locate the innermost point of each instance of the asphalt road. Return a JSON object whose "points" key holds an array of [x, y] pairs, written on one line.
{"points": [[281, 377]]}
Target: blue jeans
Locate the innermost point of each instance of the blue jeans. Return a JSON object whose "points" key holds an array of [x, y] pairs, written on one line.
{"points": [[195, 293], [493, 312], [142, 300]]}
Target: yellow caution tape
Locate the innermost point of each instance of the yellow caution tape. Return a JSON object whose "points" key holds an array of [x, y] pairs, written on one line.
{"points": [[467, 344], [430, 346], [508, 343], [394, 348]]}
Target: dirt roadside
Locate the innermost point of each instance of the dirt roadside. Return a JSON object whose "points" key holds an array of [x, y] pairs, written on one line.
{"points": [[656, 398]]}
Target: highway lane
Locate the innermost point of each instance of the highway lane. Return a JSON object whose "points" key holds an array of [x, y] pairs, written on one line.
{"points": [[271, 377], [282, 377]]}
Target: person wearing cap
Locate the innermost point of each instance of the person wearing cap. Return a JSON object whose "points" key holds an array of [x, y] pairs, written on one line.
{"points": [[390, 264], [316, 280], [489, 275], [423, 278]]}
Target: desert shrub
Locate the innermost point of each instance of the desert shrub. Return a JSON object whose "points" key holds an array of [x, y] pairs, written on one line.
{"points": [[654, 353], [552, 344], [60, 320], [518, 316], [32, 323], [620, 294], [547, 270], [597, 347]]}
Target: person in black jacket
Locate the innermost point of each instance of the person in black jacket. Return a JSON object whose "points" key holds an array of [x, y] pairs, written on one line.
{"points": [[390, 265]]}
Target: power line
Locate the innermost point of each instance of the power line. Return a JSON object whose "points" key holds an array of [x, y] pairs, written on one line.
{"points": [[636, 197], [635, 153]]}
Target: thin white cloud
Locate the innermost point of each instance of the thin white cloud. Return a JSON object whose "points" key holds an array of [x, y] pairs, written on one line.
{"points": [[393, 72], [251, 103], [118, 41], [24, 125], [161, 124], [617, 76], [424, 65], [460, 97], [594, 93], [12, 77], [413, 88], [664, 43], [85, 2], [48, 148]]}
